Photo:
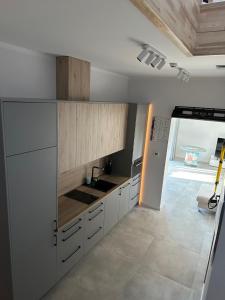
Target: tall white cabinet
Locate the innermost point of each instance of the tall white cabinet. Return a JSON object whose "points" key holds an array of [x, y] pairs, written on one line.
{"points": [[28, 208]]}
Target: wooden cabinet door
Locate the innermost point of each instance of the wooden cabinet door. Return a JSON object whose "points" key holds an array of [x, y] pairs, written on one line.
{"points": [[89, 131], [67, 136], [112, 127], [140, 129]]}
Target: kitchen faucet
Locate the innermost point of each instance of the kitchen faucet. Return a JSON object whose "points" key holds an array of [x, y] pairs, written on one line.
{"points": [[92, 173]]}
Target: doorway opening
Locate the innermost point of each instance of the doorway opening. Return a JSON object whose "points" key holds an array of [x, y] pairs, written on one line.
{"points": [[191, 166]]}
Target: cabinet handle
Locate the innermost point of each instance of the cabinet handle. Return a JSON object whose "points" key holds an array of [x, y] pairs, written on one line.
{"points": [[78, 248], [138, 164], [68, 228], [98, 213], [55, 225], [136, 183], [90, 237], [56, 239], [69, 236], [134, 197], [123, 187], [91, 211]]}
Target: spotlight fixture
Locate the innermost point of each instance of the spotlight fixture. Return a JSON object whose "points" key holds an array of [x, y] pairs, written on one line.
{"points": [[143, 53], [156, 61], [182, 74], [154, 58], [161, 64], [150, 58]]}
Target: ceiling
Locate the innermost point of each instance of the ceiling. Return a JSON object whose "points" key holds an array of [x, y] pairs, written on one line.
{"points": [[105, 32]]}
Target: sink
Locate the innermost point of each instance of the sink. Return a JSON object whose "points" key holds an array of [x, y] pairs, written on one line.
{"points": [[102, 185], [81, 196]]}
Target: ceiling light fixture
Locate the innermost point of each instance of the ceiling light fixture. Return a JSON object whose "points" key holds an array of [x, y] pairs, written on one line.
{"points": [[150, 58], [182, 74], [154, 58], [161, 64], [143, 53]]}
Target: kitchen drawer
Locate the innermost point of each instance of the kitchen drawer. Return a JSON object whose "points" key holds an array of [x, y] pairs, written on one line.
{"points": [[66, 262], [72, 226], [95, 218], [94, 237], [71, 244], [29, 126], [133, 201], [135, 187]]}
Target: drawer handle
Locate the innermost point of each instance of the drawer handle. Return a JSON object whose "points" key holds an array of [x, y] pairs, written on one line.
{"points": [[78, 248], [68, 228], [98, 213], [91, 211], [123, 187], [69, 236], [136, 183], [90, 237], [134, 197]]}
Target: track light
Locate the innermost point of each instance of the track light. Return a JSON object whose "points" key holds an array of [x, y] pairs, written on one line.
{"points": [[182, 74], [161, 64], [154, 58], [143, 53], [150, 58], [155, 61]]}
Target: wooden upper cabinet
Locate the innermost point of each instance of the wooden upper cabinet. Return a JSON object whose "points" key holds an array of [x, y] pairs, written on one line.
{"points": [[72, 78], [89, 131]]}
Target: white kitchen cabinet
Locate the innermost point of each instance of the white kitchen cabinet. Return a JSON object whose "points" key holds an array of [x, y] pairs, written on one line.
{"points": [[124, 198], [70, 244], [111, 210], [28, 193], [94, 225], [139, 133], [134, 191]]}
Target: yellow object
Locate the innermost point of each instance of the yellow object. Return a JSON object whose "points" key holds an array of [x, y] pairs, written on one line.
{"points": [[222, 154]]}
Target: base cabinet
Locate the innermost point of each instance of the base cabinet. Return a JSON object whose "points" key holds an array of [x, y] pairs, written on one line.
{"points": [[124, 198], [70, 244], [111, 210], [94, 230]]}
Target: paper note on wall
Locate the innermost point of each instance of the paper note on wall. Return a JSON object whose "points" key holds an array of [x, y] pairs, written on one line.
{"points": [[160, 129]]}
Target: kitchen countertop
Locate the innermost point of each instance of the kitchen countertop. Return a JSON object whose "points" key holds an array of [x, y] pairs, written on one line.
{"points": [[70, 208]]}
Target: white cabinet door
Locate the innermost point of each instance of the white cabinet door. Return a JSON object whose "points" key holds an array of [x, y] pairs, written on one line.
{"points": [[111, 210], [124, 198], [32, 200], [29, 126], [140, 129]]}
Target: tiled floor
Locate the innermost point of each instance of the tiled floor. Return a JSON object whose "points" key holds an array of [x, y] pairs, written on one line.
{"points": [[150, 255]]}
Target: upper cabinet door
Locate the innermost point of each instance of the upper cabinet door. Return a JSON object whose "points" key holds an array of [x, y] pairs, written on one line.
{"points": [[29, 126], [89, 131], [140, 129]]}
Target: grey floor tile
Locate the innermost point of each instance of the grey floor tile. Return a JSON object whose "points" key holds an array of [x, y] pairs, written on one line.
{"points": [[152, 286], [103, 271], [171, 260]]}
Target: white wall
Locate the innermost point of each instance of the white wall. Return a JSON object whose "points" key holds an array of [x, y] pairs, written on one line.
{"points": [[108, 86], [26, 73], [165, 94], [199, 133]]}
